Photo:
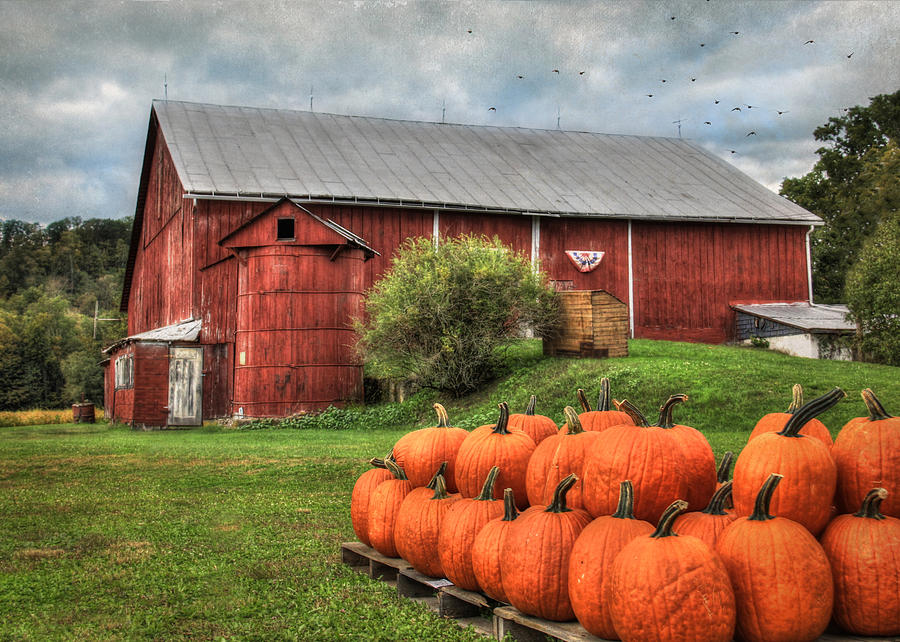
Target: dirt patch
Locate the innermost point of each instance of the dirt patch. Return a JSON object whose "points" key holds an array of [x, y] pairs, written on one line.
{"points": [[38, 553], [227, 528], [126, 552]]}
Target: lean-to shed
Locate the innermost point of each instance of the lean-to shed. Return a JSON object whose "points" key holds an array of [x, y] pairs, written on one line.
{"points": [[669, 229]]}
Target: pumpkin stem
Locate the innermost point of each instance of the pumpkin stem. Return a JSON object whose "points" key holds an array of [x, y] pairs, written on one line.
{"points": [[796, 399], [509, 505], [501, 427], [764, 499], [439, 473], [664, 527], [377, 462], [876, 410], [871, 504], [440, 487], [573, 423], [717, 502], [558, 505], [723, 472], [487, 490], [631, 410], [529, 409], [582, 399], [665, 411], [625, 509], [603, 399], [443, 417], [395, 469], [813, 409]]}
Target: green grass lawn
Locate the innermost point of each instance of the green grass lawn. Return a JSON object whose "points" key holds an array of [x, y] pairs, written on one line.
{"points": [[107, 533]]}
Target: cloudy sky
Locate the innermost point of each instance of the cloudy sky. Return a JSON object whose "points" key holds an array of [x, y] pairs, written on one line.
{"points": [[78, 77]]}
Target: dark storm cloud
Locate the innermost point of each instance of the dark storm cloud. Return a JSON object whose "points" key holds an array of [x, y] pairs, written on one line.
{"points": [[79, 77]]}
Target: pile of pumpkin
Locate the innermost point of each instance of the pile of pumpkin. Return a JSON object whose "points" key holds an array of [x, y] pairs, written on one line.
{"points": [[590, 520]]}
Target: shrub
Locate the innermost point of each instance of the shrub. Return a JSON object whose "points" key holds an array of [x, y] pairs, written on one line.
{"points": [[440, 314]]}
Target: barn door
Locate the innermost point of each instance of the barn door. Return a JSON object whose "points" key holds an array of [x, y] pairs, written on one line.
{"points": [[185, 386]]}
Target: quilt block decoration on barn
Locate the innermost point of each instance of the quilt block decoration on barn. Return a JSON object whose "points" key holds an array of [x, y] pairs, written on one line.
{"points": [[585, 260]]}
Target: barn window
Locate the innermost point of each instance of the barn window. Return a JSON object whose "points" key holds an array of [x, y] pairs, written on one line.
{"points": [[285, 229], [124, 371]]}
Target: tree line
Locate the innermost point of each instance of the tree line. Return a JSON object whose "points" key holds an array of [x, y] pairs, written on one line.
{"points": [[52, 279], [855, 188]]}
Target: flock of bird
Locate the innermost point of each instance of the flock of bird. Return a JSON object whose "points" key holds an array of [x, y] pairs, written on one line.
{"points": [[737, 108]]}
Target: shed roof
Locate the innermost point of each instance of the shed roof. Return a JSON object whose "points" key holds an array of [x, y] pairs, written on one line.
{"points": [[187, 331], [814, 317], [249, 152]]}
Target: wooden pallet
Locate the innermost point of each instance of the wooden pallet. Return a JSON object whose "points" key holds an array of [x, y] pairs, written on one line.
{"points": [[490, 618]]}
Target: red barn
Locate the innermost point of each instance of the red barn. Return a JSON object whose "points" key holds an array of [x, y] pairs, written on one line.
{"points": [[257, 232]]}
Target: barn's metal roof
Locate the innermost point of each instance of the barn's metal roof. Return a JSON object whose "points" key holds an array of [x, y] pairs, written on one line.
{"points": [[815, 317], [248, 152]]}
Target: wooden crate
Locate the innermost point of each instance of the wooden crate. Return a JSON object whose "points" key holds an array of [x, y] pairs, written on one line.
{"points": [[593, 323]]}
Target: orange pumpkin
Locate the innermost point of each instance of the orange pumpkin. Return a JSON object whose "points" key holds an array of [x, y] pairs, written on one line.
{"points": [[652, 457], [461, 525], [867, 455], [362, 495], [421, 451], [590, 563], [538, 427], [709, 523], [535, 568], [701, 462], [384, 507], [810, 475], [605, 416], [780, 574], [774, 421], [567, 457], [489, 548], [864, 551], [495, 445], [419, 524], [667, 588]]}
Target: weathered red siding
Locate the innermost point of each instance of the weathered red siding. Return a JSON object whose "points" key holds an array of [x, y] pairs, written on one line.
{"points": [[611, 237], [514, 231], [687, 274], [294, 340], [151, 384]]}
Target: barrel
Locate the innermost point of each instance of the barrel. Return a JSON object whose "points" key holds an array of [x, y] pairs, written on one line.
{"points": [[294, 337], [83, 413]]}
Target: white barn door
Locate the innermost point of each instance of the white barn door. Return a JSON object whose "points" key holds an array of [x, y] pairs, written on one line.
{"points": [[185, 386]]}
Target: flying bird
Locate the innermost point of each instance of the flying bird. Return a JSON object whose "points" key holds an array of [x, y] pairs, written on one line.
{"points": [[782, 112], [469, 30], [749, 106], [673, 17], [751, 134], [662, 80], [809, 42], [716, 102], [649, 95], [580, 73], [492, 109], [734, 33], [850, 55], [702, 44], [520, 76], [693, 79], [736, 109], [556, 71], [706, 122], [732, 151]]}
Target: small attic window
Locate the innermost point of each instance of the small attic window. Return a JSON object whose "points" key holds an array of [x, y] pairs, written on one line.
{"points": [[285, 229]]}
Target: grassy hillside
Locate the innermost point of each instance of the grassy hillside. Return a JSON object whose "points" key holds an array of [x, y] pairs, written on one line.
{"points": [[729, 388]]}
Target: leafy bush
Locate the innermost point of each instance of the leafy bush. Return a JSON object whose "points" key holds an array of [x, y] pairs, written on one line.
{"points": [[873, 293], [439, 314]]}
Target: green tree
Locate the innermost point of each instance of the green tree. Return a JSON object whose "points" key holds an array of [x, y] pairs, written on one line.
{"points": [[440, 314], [873, 284], [841, 188]]}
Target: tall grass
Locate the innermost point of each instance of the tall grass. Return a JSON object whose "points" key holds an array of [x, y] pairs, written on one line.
{"points": [[38, 417]]}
